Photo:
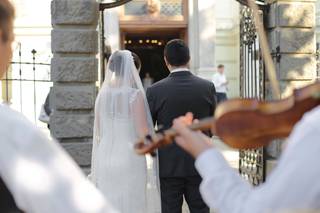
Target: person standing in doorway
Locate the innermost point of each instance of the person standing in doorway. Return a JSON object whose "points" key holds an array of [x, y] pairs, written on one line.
{"points": [[221, 83], [168, 99], [147, 81]]}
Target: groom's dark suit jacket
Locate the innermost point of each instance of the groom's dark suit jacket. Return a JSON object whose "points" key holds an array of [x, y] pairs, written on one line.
{"points": [[179, 93]]}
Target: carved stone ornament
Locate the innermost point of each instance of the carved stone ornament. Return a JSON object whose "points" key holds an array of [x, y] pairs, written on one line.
{"points": [[154, 7]]}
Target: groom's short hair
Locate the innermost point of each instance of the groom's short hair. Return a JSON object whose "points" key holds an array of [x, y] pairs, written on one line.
{"points": [[116, 61], [6, 18], [177, 53]]}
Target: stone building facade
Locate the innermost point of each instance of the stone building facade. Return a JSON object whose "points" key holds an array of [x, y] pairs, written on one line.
{"points": [[212, 33], [213, 36], [74, 65], [292, 36]]}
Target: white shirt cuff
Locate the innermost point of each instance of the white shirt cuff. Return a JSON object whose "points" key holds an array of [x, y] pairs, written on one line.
{"points": [[209, 162]]}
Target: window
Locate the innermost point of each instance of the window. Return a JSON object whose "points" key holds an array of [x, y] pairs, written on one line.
{"points": [[155, 10]]}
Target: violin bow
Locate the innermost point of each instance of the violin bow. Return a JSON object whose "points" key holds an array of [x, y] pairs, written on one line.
{"points": [[266, 53]]}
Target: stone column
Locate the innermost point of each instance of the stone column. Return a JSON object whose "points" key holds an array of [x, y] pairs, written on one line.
{"points": [[202, 35], [291, 27], [74, 74], [318, 20], [193, 36]]}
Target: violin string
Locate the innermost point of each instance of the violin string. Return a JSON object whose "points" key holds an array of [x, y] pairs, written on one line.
{"points": [[266, 53]]}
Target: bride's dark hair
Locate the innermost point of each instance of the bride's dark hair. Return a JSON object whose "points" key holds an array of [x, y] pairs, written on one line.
{"points": [[116, 60], [137, 61]]}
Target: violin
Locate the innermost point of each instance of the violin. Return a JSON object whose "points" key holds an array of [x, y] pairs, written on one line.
{"points": [[246, 123]]}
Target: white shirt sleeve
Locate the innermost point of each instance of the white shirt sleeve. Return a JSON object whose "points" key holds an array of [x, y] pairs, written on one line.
{"points": [[39, 173], [293, 185], [221, 188]]}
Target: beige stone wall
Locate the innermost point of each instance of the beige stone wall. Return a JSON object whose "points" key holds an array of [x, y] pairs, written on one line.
{"points": [[292, 36], [318, 20], [74, 73]]}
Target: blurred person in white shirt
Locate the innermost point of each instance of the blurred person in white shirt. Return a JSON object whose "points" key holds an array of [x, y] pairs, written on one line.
{"points": [[221, 83], [36, 174]]}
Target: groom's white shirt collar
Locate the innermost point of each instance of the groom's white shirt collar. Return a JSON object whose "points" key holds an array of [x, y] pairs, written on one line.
{"points": [[180, 70]]}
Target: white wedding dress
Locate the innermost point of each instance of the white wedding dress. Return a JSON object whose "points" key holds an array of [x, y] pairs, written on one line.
{"points": [[121, 117]]}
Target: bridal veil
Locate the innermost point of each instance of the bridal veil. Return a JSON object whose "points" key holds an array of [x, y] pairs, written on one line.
{"points": [[121, 102]]}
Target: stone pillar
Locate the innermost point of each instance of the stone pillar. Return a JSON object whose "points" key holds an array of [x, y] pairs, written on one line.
{"points": [[291, 28], [318, 20], [193, 36], [74, 74], [202, 35]]}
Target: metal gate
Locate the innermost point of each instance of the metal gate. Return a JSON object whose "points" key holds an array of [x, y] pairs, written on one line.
{"points": [[251, 162], [26, 85]]}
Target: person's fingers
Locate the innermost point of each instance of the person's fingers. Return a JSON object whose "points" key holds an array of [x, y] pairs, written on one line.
{"points": [[183, 119], [187, 119], [179, 125], [189, 116], [181, 128]]}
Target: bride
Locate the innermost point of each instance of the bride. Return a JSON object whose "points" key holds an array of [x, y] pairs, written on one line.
{"points": [[122, 115]]}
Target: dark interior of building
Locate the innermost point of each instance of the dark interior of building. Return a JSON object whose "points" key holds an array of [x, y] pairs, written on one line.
{"points": [[150, 50]]}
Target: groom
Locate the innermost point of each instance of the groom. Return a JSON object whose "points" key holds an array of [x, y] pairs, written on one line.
{"points": [[168, 99]]}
